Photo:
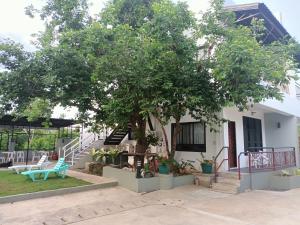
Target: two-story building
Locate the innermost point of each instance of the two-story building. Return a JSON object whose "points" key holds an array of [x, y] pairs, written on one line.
{"points": [[268, 126]]}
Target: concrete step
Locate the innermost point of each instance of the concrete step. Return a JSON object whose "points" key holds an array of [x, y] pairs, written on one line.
{"points": [[225, 188], [233, 175], [203, 179], [228, 180]]}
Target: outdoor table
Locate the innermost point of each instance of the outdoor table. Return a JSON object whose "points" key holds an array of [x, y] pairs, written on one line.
{"points": [[140, 156]]}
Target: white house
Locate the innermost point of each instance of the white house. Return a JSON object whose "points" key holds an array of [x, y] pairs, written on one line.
{"points": [[270, 124], [264, 138]]}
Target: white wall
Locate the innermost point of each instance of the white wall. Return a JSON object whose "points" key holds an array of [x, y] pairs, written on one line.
{"points": [[213, 142], [233, 114], [285, 135]]}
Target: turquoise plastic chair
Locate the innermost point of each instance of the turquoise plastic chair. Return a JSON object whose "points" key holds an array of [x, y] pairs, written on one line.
{"points": [[60, 170]]}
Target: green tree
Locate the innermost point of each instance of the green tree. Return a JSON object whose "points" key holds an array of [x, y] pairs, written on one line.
{"points": [[142, 58]]}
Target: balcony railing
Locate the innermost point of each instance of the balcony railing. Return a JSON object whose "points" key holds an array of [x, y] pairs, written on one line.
{"points": [[267, 159]]}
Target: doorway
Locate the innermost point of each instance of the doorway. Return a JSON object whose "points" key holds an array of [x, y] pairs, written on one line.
{"points": [[232, 156], [252, 133]]}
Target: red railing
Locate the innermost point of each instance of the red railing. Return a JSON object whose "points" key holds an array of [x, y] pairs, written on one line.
{"points": [[268, 158]]}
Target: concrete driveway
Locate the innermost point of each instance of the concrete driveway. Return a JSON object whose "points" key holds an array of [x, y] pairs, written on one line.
{"points": [[189, 205]]}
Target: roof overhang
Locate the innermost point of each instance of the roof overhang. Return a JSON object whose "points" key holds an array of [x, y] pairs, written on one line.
{"points": [[274, 29], [12, 121], [246, 12]]}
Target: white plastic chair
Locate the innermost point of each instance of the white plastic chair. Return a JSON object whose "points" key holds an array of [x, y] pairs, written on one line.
{"points": [[40, 165], [44, 153], [259, 160], [35, 156], [2, 158], [20, 156], [10, 157]]}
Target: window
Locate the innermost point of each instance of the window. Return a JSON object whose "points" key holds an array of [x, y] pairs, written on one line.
{"points": [[191, 137]]}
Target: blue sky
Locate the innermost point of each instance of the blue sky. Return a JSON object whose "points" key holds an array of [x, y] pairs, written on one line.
{"points": [[290, 11]]}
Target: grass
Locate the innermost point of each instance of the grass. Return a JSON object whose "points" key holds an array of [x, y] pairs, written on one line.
{"points": [[12, 184]]}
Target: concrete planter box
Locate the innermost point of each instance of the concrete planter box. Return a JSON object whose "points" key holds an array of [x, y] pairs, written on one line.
{"points": [[169, 181], [284, 182], [128, 180], [166, 181], [183, 180]]}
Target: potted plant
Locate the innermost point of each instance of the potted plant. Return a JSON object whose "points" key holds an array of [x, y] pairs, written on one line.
{"points": [[206, 164], [54, 155], [186, 167], [163, 165], [98, 155], [113, 154]]}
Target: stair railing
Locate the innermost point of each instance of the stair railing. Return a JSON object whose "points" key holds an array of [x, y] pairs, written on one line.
{"points": [[215, 159], [77, 146], [80, 144]]}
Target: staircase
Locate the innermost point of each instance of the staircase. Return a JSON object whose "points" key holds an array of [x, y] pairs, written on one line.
{"points": [[77, 152], [227, 182], [116, 137], [80, 147]]}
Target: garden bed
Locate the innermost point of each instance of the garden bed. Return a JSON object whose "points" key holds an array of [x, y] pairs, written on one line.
{"points": [[128, 180], [13, 184]]}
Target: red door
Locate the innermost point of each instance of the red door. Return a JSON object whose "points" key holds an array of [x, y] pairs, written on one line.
{"points": [[232, 156]]}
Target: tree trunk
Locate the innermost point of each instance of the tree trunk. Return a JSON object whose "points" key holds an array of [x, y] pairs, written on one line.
{"points": [[174, 138], [165, 137], [140, 134]]}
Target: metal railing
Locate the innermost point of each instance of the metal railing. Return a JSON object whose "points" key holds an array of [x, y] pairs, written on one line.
{"points": [[217, 167], [79, 145], [268, 159]]}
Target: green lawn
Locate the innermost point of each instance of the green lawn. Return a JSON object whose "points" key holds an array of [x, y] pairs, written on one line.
{"points": [[12, 184]]}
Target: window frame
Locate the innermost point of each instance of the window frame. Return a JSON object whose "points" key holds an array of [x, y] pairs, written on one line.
{"points": [[190, 147]]}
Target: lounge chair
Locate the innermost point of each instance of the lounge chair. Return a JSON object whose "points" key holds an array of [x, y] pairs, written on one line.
{"points": [[40, 165], [60, 169]]}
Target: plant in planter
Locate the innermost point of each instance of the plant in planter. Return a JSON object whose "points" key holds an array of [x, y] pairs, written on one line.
{"points": [[98, 155], [163, 165], [186, 167], [113, 153], [206, 164], [146, 173], [54, 155]]}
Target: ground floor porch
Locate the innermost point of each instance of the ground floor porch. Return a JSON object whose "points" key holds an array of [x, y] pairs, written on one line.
{"points": [[271, 137]]}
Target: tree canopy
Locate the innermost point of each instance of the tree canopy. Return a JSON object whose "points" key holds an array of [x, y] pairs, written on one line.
{"points": [[141, 58]]}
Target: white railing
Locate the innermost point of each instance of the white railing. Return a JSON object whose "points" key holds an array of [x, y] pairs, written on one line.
{"points": [[80, 144], [77, 146]]}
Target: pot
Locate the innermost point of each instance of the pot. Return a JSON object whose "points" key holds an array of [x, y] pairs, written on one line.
{"points": [[206, 168], [163, 169]]}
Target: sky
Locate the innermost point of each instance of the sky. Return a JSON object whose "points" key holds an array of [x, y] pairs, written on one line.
{"points": [[16, 25]]}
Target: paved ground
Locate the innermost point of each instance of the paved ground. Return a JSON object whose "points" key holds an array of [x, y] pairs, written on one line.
{"points": [[187, 205]]}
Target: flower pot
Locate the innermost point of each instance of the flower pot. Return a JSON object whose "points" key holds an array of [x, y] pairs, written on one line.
{"points": [[163, 169], [54, 156], [206, 167]]}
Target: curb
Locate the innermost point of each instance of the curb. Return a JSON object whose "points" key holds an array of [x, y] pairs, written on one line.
{"points": [[50, 193]]}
